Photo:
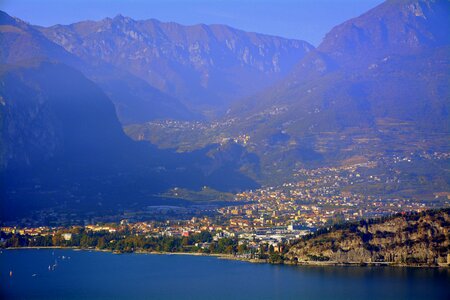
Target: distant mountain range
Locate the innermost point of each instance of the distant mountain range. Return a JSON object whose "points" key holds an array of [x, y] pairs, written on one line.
{"points": [[154, 70], [377, 84], [383, 76], [205, 67], [390, 63]]}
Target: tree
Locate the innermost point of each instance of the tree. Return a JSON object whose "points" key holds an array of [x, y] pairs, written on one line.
{"points": [[57, 240], [101, 243], [242, 248]]}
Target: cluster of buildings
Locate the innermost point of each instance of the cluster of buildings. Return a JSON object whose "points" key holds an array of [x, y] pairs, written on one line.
{"points": [[273, 214], [324, 196], [33, 231], [219, 229], [207, 131]]}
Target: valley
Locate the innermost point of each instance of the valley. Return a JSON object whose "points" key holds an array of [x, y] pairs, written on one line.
{"points": [[118, 115], [131, 131]]}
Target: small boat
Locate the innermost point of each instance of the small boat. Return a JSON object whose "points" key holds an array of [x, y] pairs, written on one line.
{"points": [[34, 275], [10, 273], [49, 267]]}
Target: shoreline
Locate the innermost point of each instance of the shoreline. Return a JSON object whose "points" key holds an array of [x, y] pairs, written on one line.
{"points": [[249, 260], [218, 255]]}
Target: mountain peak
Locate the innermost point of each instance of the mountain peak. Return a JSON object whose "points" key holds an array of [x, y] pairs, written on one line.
{"points": [[6, 19], [393, 27], [390, 63], [122, 18]]}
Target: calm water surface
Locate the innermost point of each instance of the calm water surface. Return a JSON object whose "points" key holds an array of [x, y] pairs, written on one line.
{"points": [[97, 275]]}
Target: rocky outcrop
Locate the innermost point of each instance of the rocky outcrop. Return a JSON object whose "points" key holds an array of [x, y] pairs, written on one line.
{"points": [[412, 239]]}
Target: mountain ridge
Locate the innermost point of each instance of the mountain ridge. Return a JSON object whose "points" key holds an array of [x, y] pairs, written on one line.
{"points": [[392, 98], [197, 64], [24, 43], [335, 91], [332, 107]]}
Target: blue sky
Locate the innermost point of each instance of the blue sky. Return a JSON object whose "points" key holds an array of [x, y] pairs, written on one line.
{"points": [[308, 20]]}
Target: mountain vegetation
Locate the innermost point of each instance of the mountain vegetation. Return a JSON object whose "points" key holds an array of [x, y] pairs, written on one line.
{"points": [[63, 147], [385, 70], [377, 85], [221, 108], [410, 239]]}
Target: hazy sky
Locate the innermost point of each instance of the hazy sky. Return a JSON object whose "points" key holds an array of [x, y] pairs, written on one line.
{"points": [[309, 20]]}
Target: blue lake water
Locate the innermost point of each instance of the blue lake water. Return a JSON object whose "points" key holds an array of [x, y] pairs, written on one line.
{"points": [[99, 275]]}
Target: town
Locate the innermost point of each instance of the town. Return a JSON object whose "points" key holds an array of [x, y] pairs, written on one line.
{"points": [[270, 217]]}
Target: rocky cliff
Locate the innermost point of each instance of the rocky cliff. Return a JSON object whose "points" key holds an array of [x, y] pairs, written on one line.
{"points": [[411, 239], [206, 67]]}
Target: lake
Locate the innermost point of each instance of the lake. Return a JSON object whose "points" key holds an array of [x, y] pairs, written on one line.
{"points": [[68, 274]]}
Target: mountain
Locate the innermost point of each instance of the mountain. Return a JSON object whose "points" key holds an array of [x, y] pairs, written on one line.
{"points": [[59, 136], [206, 67], [383, 76], [401, 27], [51, 109], [63, 147], [411, 239], [21, 42], [135, 100], [376, 87]]}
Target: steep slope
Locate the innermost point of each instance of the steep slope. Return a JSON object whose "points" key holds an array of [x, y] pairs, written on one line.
{"points": [[207, 67], [63, 148], [21, 42], [413, 239], [52, 110], [135, 100], [383, 76], [61, 140], [400, 27]]}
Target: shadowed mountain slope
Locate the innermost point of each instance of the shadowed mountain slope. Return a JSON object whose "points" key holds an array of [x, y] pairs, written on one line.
{"points": [[63, 147], [135, 100]]}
